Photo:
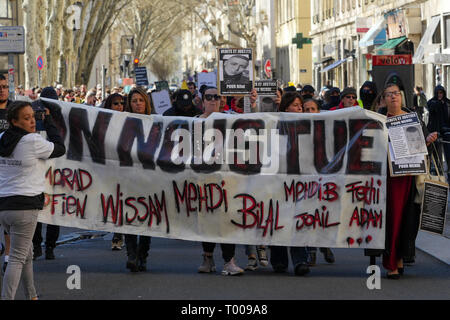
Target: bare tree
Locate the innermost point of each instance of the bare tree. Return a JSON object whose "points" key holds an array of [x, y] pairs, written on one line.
{"points": [[153, 24], [211, 13]]}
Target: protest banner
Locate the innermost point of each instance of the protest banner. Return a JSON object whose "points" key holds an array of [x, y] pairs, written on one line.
{"points": [[161, 101], [314, 180], [235, 71]]}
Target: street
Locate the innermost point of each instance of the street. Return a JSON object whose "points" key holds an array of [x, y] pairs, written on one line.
{"points": [[172, 275]]}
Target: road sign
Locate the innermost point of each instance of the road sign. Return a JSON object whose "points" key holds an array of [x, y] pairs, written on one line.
{"points": [[12, 39], [40, 62], [268, 68], [141, 76]]}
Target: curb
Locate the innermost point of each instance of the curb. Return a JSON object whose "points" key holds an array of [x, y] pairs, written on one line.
{"points": [[435, 245]]}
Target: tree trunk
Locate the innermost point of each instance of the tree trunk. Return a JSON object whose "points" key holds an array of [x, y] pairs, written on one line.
{"points": [[31, 74]]}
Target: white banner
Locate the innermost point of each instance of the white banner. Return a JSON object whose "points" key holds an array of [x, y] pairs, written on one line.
{"points": [[263, 178]]}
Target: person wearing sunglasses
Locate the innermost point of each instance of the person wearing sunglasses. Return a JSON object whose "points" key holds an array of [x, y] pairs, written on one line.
{"points": [[115, 102], [348, 99], [211, 104]]}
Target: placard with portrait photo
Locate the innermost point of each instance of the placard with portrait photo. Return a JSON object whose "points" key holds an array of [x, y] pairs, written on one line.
{"points": [[235, 71]]}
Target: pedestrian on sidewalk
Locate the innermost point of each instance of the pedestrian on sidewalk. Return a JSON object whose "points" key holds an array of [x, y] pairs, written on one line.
{"points": [[22, 190]]}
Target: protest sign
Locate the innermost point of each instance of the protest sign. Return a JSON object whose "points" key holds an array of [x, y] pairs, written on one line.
{"points": [[161, 85], [258, 178], [235, 71], [267, 92], [434, 207], [207, 78], [406, 136], [161, 101]]}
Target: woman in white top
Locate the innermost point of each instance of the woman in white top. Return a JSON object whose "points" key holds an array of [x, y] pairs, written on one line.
{"points": [[22, 180]]}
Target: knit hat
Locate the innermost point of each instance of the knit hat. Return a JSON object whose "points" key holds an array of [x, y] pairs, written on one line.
{"points": [[347, 91], [184, 98], [49, 93]]}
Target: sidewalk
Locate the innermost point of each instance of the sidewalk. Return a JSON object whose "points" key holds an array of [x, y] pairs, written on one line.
{"points": [[436, 245]]}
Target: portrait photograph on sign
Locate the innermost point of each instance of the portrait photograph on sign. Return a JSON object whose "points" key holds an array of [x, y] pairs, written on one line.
{"points": [[235, 71], [267, 92], [406, 136]]}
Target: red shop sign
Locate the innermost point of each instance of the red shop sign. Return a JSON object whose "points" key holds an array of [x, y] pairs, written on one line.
{"points": [[392, 60]]}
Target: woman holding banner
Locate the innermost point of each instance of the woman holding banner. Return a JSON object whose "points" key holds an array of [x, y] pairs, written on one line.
{"points": [[22, 181], [137, 102], [402, 214], [115, 102], [211, 104], [290, 102]]}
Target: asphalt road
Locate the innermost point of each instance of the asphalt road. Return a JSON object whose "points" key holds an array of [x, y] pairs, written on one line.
{"points": [[172, 275]]}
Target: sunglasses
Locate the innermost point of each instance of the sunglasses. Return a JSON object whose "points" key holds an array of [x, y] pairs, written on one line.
{"points": [[117, 103], [209, 97], [4, 87], [350, 97]]}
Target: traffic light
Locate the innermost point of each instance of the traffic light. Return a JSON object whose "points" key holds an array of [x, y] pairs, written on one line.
{"points": [[136, 62]]}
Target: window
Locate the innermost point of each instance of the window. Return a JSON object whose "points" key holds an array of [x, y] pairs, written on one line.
{"points": [[437, 34], [447, 31], [5, 9]]}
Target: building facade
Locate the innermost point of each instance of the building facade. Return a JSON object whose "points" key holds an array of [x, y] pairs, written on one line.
{"points": [[293, 43], [347, 33]]}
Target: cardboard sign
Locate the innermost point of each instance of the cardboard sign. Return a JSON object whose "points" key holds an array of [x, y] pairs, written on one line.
{"points": [[161, 101], [434, 207], [207, 78]]}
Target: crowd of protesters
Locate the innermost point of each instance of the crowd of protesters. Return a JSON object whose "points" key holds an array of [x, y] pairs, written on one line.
{"points": [[202, 102]]}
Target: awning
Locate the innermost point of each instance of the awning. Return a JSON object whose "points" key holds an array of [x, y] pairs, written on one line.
{"points": [[425, 41], [375, 35], [333, 65], [391, 44]]}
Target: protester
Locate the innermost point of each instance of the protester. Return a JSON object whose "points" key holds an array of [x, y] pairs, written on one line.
{"points": [[22, 190], [182, 105], [308, 92], [52, 233], [401, 214], [290, 102], [115, 102], [312, 106], [420, 103], [438, 108], [348, 99], [367, 93], [138, 102], [4, 95], [332, 99], [90, 99], [4, 125], [196, 100], [211, 103]]}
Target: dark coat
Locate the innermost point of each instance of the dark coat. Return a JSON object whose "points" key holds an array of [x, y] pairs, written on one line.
{"points": [[439, 113]]}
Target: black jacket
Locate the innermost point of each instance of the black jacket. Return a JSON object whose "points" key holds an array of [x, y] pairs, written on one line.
{"points": [[439, 113], [175, 111], [8, 142]]}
